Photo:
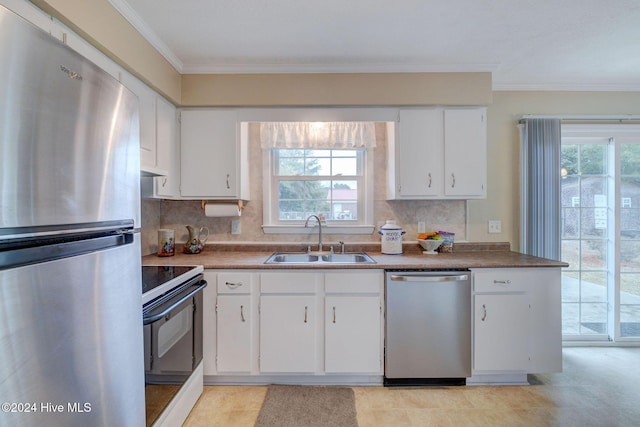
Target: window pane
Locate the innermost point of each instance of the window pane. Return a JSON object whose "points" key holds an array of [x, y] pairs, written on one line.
{"points": [[569, 159], [571, 253], [570, 286], [570, 191], [630, 206], [630, 159], [593, 191], [344, 200], [345, 166], [593, 287], [593, 255], [298, 199], [630, 289], [593, 318], [593, 222], [290, 166], [570, 222], [593, 159], [318, 166], [629, 256]]}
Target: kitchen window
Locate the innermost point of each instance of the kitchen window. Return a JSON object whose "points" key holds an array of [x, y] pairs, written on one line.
{"points": [[323, 169]]}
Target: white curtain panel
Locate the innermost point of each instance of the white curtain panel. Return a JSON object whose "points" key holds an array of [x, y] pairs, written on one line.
{"points": [[310, 135], [540, 187]]}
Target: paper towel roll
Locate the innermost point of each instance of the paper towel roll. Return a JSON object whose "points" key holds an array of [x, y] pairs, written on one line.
{"points": [[222, 209]]}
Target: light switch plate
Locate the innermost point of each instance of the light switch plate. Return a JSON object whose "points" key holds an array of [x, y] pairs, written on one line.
{"points": [[235, 226], [495, 226]]}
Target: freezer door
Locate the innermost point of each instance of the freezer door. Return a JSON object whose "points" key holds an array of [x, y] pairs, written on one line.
{"points": [[69, 139], [71, 342]]}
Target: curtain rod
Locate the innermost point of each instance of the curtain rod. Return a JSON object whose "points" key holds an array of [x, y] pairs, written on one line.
{"points": [[583, 117]]}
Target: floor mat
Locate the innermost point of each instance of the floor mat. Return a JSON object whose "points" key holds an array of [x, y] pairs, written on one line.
{"points": [[308, 406]]}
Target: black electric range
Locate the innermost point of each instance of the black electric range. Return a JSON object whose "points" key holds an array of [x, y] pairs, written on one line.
{"points": [[158, 280]]}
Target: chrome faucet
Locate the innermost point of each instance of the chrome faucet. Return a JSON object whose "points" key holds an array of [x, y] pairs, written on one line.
{"points": [[306, 224]]}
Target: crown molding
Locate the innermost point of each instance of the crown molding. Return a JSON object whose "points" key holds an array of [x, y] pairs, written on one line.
{"points": [[123, 7]]}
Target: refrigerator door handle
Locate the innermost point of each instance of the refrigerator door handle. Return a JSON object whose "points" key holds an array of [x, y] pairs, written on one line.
{"points": [[32, 254]]}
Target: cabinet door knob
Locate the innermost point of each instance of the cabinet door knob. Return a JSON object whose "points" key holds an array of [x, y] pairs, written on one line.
{"points": [[453, 180], [305, 314], [242, 313], [228, 184], [429, 186], [484, 314], [502, 282], [334, 315]]}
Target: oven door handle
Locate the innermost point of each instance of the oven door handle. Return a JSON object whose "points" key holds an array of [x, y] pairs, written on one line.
{"points": [[150, 318]]}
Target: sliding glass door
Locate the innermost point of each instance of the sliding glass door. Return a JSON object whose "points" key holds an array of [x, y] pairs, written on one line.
{"points": [[600, 232], [629, 239], [584, 230]]}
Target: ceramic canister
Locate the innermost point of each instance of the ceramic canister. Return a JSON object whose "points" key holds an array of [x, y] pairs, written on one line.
{"points": [[166, 242], [391, 238]]}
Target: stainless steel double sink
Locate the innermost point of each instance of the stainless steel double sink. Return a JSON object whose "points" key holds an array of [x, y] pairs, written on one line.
{"points": [[319, 258]]}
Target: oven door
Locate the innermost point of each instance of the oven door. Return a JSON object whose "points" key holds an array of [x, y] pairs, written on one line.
{"points": [[173, 336]]}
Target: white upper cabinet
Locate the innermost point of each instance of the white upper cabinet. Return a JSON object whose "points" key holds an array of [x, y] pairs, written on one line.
{"points": [[439, 153], [420, 152], [168, 148], [150, 156], [213, 160], [465, 153]]}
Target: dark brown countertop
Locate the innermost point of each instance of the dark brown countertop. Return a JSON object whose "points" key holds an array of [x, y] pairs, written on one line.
{"points": [[253, 256]]}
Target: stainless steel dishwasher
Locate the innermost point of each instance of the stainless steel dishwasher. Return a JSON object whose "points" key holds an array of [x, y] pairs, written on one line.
{"points": [[428, 327]]}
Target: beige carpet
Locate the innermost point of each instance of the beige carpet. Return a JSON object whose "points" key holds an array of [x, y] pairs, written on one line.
{"points": [[308, 406]]}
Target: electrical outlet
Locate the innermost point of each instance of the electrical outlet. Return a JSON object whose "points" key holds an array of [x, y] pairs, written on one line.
{"points": [[495, 226], [235, 226], [421, 227]]}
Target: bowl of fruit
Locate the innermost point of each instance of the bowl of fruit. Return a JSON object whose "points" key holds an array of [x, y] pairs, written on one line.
{"points": [[430, 242]]}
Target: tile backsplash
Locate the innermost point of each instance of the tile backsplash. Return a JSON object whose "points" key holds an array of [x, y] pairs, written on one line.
{"points": [[449, 215]]}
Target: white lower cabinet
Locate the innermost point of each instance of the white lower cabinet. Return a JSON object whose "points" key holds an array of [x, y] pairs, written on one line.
{"points": [[288, 325], [230, 323], [353, 322], [516, 323], [352, 344], [271, 324], [500, 331], [289, 321], [234, 333]]}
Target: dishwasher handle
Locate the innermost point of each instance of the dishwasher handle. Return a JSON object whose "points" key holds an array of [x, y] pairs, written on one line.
{"points": [[429, 278]]}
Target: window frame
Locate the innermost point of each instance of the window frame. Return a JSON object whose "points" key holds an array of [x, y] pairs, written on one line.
{"points": [[273, 225]]}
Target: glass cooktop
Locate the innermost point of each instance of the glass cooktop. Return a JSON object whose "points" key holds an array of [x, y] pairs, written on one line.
{"points": [[155, 276]]}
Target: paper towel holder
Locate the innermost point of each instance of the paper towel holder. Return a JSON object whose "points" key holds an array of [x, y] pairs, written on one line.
{"points": [[204, 203]]}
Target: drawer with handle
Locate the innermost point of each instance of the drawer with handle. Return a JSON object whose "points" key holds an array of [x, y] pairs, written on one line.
{"points": [[234, 283], [501, 280]]}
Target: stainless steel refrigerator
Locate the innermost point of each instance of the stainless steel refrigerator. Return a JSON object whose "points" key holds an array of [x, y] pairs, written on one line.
{"points": [[71, 342]]}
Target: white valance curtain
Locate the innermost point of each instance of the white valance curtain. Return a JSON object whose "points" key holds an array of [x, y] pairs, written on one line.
{"points": [[540, 187], [315, 135]]}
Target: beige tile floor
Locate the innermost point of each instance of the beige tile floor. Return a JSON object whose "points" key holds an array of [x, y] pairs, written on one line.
{"points": [[598, 387]]}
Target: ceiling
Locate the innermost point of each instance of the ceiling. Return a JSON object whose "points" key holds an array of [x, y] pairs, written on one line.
{"points": [[525, 44]]}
